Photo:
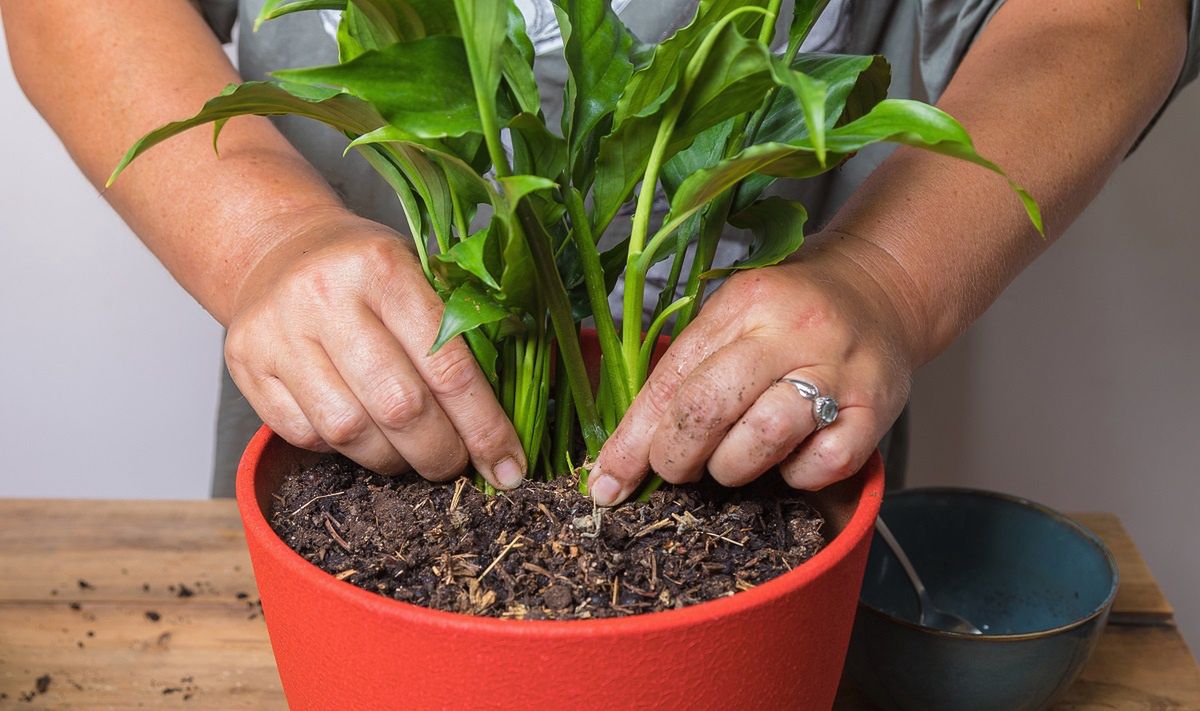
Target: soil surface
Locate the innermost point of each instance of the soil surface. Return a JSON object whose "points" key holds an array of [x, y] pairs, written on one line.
{"points": [[537, 552]]}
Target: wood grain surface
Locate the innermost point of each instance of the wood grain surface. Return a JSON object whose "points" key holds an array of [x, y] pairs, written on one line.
{"points": [[149, 604]]}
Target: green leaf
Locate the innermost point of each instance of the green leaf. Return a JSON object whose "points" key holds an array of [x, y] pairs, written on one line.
{"points": [[778, 227], [272, 9], [516, 187], [424, 86], [484, 25], [379, 159], [367, 25], [810, 94], [536, 151], [485, 353], [892, 120], [467, 308], [516, 64], [599, 50], [474, 256], [804, 15], [854, 85], [518, 281], [725, 75], [705, 151], [375, 24], [652, 85], [731, 79], [341, 111]]}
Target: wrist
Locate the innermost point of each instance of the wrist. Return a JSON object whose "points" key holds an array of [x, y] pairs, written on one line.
{"points": [[277, 241], [882, 279]]}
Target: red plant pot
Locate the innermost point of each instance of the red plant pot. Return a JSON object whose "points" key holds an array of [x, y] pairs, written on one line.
{"points": [[780, 645]]}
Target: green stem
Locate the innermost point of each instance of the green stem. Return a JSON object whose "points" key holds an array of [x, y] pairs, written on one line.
{"points": [[597, 292], [562, 422], [711, 227], [652, 334], [635, 274], [541, 386], [551, 285], [668, 291], [767, 32], [642, 254], [490, 123], [460, 217]]}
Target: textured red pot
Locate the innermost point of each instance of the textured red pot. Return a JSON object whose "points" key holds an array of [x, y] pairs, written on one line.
{"points": [[777, 646]]}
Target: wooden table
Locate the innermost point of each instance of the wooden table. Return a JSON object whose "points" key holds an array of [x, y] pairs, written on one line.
{"points": [[125, 604]]}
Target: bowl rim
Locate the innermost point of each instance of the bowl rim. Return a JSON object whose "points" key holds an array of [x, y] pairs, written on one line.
{"points": [[1100, 611], [257, 529]]}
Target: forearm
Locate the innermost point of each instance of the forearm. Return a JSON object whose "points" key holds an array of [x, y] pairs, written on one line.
{"points": [[1056, 93], [103, 74]]}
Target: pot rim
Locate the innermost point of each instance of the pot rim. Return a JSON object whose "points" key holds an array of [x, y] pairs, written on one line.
{"points": [[860, 525], [1101, 610]]}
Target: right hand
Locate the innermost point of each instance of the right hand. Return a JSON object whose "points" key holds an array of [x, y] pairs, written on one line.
{"points": [[329, 341]]}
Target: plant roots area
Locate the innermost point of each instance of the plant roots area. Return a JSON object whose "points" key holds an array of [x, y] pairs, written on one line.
{"points": [[542, 551]]}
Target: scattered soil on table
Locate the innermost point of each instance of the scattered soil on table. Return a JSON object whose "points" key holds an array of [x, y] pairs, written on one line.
{"points": [[542, 551]]}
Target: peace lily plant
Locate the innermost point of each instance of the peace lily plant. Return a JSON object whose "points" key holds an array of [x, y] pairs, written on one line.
{"points": [[441, 99]]}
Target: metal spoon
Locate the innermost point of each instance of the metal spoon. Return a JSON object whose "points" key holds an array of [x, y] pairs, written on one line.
{"points": [[931, 615]]}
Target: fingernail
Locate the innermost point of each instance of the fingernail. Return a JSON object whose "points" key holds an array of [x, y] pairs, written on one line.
{"points": [[604, 489], [508, 474]]}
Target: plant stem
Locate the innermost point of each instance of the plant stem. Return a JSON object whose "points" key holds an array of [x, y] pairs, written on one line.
{"points": [[597, 291], [635, 275], [652, 334], [551, 285], [562, 421], [641, 254], [711, 227]]}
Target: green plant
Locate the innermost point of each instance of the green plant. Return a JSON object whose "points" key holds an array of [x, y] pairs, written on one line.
{"points": [[426, 90]]}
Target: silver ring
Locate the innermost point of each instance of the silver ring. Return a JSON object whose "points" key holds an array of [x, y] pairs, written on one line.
{"points": [[825, 408]]}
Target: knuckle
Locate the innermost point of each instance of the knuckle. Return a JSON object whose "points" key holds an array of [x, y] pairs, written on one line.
{"points": [[671, 465], [816, 315], [452, 371], [399, 406], [658, 392], [835, 458], [305, 438], [493, 440], [699, 406], [771, 428], [344, 427], [237, 347]]}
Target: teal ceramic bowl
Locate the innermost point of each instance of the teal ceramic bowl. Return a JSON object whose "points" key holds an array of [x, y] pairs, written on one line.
{"points": [[1037, 583]]}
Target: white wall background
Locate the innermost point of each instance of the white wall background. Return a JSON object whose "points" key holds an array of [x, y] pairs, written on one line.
{"points": [[1079, 388], [108, 370]]}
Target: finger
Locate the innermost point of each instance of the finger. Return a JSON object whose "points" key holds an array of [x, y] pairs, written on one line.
{"points": [[625, 458], [334, 411], [771, 429], [273, 403], [710, 400], [378, 371], [836, 452], [459, 386]]}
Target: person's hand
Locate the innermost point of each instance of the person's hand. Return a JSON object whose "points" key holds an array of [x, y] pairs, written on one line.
{"points": [[715, 402], [329, 341]]}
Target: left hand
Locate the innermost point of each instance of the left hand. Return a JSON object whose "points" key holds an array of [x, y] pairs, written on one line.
{"points": [[836, 317]]}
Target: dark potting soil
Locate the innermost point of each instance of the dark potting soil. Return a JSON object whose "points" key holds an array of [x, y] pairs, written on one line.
{"points": [[542, 551]]}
